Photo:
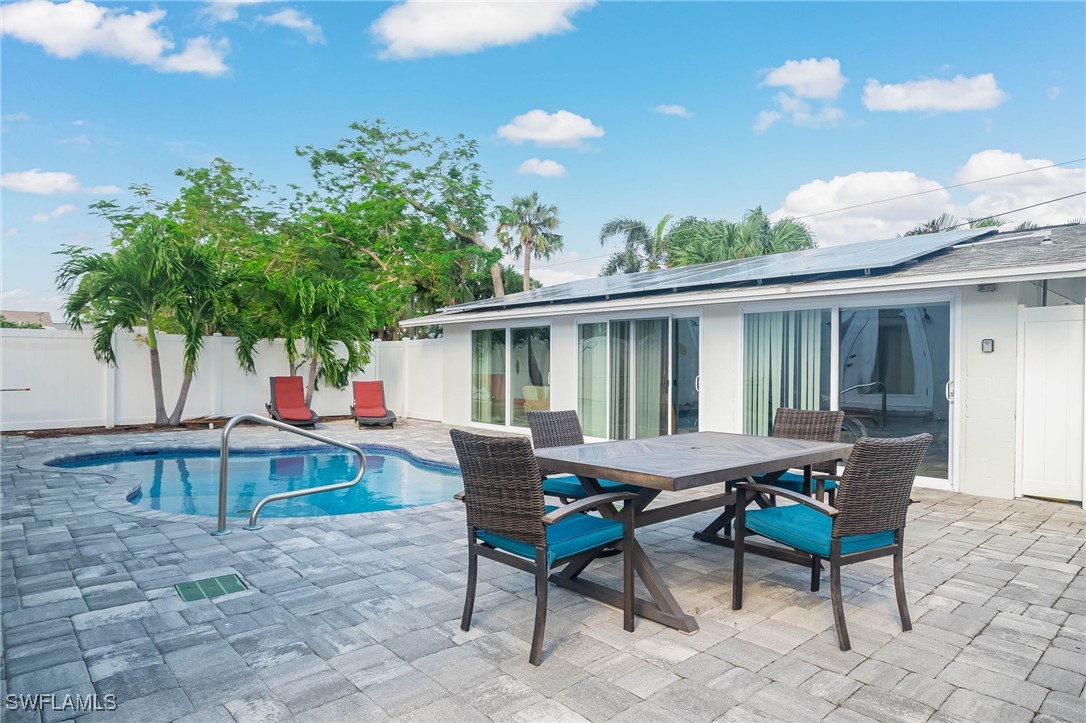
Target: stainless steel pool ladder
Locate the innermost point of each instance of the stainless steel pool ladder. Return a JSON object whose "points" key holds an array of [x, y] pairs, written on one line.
{"points": [[224, 458]]}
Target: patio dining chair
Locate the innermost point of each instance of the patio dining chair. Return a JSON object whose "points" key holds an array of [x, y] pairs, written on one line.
{"points": [[814, 425], [508, 523], [868, 521], [563, 429]]}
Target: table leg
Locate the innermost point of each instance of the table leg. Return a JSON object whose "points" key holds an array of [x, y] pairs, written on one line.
{"points": [[663, 607], [711, 533]]}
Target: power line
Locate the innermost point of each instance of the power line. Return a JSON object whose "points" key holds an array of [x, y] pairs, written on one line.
{"points": [[1024, 208], [940, 188], [886, 200]]}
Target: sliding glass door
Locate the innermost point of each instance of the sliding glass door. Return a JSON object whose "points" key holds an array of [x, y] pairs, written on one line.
{"points": [[786, 358], [510, 374], [892, 371], [638, 377], [895, 370]]}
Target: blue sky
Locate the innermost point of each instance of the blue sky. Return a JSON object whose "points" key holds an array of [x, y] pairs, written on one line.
{"points": [[635, 109]]}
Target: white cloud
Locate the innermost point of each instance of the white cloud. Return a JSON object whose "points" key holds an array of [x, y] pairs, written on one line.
{"points": [[891, 218], [981, 92], [79, 122], [807, 80], [671, 109], [62, 210], [48, 183], [883, 220], [815, 78], [537, 167], [417, 28], [1053, 92], [765, 119], [68, 30], [11, 117], [562, 129], [80, 140], [566, 267], [224, 11], [10, 231], [293, 20], [1004, 194]]}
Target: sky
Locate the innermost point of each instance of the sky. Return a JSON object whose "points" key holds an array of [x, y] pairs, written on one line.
{"points": [[607, 109]]}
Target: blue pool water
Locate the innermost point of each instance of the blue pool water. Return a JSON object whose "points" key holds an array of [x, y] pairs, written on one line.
{"points": [[188, 482]]}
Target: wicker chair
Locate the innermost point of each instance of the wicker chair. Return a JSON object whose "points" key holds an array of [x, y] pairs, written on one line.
{"points": [[563, 429], [814, 425], [868, 522], [508, 522]]}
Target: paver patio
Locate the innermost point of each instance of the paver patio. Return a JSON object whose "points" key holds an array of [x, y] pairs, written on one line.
{"points": [[357, 617]]}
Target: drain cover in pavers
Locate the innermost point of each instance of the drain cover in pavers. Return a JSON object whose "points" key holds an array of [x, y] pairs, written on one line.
{"points": [[209, 588]]}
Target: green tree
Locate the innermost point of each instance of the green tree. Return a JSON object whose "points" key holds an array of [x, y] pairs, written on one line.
{"points": [[643, 249], [316, 318], [151, 277], [527, 227], [700, 241], [438, 179], [5, 324], [947, 222]]}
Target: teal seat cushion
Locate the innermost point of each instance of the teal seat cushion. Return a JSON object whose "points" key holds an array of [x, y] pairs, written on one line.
{"points": [[567, 485], [576, 534], [794, 482], [805, 529]]}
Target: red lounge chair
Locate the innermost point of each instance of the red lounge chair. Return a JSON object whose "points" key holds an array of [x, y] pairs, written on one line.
{"points": [[369, 405], [288, 402]]}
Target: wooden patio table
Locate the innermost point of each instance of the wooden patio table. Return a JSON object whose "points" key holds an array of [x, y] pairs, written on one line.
{"points": [[673, 464]]}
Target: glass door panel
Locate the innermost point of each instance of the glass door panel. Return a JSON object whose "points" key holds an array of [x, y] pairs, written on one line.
{"points": [[685, 386], [895, 365], [530, 372], [592, 379], [651, 408], [620, 380], [786, 363], [488, 376]]}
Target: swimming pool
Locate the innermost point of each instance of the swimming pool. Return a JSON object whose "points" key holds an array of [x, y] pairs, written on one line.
{"points": [[187, 482]]}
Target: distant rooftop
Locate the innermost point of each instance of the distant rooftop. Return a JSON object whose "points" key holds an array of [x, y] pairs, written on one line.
{"points": [[28, 317], [981, 249]]}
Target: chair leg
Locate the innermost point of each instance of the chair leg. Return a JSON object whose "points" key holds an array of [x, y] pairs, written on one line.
{"points": [[737, 552], [473, 576], [838, 606], [816, 572], [899, 588], [832, 493], [541, 571]]}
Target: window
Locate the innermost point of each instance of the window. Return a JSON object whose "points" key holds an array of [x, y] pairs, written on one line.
{"points": [[510, 374]]}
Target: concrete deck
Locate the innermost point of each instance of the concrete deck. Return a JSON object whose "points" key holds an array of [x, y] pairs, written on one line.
{"points": [[357, 617]]}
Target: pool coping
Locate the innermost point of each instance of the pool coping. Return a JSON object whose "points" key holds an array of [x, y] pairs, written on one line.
{"points": [[110, 501]]}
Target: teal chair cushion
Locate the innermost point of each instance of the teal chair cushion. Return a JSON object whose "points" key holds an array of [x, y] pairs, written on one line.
{"points": [[567, 485], [805, 529], [794, 482], [576, 534]]}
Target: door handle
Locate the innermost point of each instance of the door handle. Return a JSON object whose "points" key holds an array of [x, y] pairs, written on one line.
{"points": [[697, 383], [949, 391]]}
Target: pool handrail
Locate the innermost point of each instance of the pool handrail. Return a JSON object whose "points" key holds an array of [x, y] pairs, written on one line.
{"points": [[224, 457]]}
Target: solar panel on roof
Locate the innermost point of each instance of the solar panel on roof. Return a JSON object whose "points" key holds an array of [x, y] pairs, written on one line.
{"points": [[812, 262]]}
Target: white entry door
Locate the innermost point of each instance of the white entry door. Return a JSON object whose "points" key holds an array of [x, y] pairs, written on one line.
{"points": [[1050, 401]]}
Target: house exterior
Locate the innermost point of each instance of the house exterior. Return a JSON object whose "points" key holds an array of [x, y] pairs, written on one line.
{"points": [[974, 336]]}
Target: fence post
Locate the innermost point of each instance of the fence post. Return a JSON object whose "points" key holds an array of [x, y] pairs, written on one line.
{"points": [[109, 412]]}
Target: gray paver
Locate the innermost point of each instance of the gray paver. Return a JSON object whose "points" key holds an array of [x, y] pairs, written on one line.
{"points": [[357, 616]]}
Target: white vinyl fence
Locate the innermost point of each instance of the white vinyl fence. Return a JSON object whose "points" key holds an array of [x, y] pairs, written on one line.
{"points": [[69, 388]]}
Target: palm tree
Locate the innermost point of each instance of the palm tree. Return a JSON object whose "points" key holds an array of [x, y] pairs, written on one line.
{"points": [[946, 222], [700, 241], [527, 227], [149, 278], [642, 249], [313, 318]]}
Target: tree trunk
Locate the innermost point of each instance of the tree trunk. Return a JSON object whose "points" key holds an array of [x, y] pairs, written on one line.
{"points": [[161, 420], [312, 382], [527, 265], [182, 397], [496, 278]]}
